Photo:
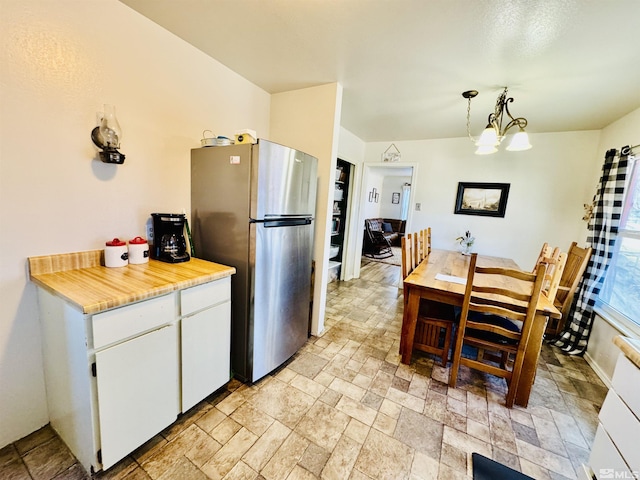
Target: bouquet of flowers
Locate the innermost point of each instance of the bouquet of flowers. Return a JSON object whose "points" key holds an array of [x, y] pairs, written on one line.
{"points": [[466, 241]]}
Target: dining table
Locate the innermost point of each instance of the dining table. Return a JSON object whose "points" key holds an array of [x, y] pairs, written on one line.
{"points": [[441, 277]]}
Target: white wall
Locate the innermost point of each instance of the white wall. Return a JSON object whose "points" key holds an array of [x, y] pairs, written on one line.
{"points": [[351, 149], [58, 67], [601, 352], [309, 120], [549, 185], [374, 180], [391, 185]]}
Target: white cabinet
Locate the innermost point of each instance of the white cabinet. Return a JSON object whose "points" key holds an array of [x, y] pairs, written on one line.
{"points": [[206, 330], [137, 384], [615, 453], [117, 378]]}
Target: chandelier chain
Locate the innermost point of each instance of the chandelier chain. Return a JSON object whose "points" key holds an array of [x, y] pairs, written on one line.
{"points": [[469, 120]]}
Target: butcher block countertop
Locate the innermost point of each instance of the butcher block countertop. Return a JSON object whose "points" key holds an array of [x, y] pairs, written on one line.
{"points": [[81, 279], [630, 347]]}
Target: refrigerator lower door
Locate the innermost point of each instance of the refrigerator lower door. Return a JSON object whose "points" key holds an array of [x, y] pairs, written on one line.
{"points": [[282, 294]]}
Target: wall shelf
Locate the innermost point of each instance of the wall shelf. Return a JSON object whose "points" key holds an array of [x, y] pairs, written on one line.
{"points": [[339, 218]]}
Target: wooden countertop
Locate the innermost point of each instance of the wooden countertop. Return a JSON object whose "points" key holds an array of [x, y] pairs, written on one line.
{"points": [[630, 347], [81, 279]]}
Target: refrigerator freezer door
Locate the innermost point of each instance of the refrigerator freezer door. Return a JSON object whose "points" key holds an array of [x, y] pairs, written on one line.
{"points": [[282, 294], [284, 181]]}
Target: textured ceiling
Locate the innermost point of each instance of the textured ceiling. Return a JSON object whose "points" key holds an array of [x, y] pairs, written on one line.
{"points": [[569, 64]]}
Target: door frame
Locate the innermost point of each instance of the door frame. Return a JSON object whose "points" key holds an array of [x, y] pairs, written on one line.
{"points": [[353, 258]]}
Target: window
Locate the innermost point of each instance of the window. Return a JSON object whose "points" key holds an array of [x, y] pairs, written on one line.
{"points": [[621, 290]]}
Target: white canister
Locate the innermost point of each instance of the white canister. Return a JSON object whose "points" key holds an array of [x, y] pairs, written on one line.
{"points": [[138, 251], [115, 253]]}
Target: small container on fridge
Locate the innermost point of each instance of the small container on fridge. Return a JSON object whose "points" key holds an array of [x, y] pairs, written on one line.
{"points": [[115, 253], [138, 251]]}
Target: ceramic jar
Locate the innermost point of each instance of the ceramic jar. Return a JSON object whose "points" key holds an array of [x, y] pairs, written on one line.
{"points": [[116, 254], [138, 251]]}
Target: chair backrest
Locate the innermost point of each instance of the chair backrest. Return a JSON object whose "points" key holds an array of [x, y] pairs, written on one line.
{"points": [[577, 260], [545, 252], [421, 244], [553, 274], [554, 261], [501, 293], [408, 257], [373, 224], [492, 290]]}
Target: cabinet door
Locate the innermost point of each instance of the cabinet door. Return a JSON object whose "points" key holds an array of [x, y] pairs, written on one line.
{"points": [[137, 385], [206, 351]]}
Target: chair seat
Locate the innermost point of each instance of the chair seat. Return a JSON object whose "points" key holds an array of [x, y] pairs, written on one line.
{"points": [[492, 320]]}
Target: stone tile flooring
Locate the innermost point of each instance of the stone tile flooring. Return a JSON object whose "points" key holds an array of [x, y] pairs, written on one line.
{"points": [[344, 407]]}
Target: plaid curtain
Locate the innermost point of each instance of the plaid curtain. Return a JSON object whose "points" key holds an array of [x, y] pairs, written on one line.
{"points": [[603, 230]]}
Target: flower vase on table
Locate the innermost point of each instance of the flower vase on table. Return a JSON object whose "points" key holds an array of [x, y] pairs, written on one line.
{"points": [[466, 241]]}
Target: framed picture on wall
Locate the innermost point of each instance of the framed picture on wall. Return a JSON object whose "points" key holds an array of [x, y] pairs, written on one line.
{"points": [[395, 197], [487, 199]]}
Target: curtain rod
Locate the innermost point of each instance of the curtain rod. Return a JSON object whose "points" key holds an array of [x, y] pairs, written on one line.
{"points": [[628, 150]]}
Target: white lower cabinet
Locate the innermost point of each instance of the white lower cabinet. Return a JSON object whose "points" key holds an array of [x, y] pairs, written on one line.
{"points": [[615, 452], [205, 353], [117, 378], [137, 384]]}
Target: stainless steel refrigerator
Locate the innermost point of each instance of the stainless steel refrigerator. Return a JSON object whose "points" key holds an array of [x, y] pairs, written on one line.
{"points": [[253, 207]]}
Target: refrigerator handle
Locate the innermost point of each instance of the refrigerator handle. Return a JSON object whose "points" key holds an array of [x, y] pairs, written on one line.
{"points": [[286, 222]]}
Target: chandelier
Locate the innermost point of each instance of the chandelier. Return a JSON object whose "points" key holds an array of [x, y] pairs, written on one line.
{"points": [[494, 132]]}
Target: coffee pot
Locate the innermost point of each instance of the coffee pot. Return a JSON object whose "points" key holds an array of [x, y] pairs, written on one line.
{"points": [[169, 244]]}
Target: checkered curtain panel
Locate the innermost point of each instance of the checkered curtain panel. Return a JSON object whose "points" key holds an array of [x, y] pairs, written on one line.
{"points": [[603, 228]]}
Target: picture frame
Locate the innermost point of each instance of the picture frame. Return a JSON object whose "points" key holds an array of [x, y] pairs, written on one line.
{"points": [[372, 196], [395, 197], [485, 199], [391, 154]]}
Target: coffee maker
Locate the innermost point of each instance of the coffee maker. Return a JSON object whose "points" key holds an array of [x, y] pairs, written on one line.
{"points": [[169, 244]]}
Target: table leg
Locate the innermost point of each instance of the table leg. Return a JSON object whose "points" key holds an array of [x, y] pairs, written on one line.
{"points": [[409, 320], [531, 357]]}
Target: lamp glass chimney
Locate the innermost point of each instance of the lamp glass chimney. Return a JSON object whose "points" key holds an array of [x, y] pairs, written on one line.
{"points": [[110, 128]]}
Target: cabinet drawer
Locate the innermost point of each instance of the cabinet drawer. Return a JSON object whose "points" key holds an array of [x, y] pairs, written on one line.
{"points": [[622, 427], [124, 322], [605, 460], [205, 295], [626, 383]]}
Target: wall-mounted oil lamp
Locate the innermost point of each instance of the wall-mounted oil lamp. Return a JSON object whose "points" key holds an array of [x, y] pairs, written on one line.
{"points": [[107, 136]]}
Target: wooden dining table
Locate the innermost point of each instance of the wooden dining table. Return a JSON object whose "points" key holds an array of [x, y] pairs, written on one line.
{"points": [[441, 276]]}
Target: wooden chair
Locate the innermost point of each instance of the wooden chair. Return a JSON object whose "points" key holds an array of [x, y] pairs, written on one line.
{"points": [[576, 263], [497, 318], [434, 327], [421, 244], [408, 257], [545, 252], [555, 261]]}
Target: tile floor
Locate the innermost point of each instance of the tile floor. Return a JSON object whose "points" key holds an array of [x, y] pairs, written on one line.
{"points": [[344, 407]]}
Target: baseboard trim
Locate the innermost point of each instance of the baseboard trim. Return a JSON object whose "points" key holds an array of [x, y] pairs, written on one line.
{"points": [[596, 368]]}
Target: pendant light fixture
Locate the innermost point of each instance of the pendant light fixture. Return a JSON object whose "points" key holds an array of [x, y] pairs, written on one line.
{"points": [[494, 132]]}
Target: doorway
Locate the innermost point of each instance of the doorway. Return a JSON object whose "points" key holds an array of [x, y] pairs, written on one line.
{"points": [[382, 185]]}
